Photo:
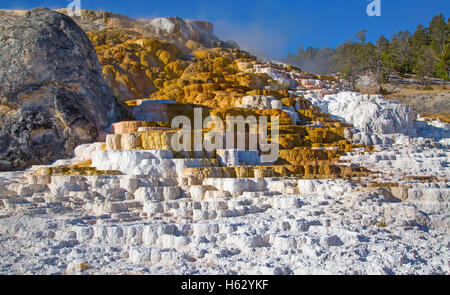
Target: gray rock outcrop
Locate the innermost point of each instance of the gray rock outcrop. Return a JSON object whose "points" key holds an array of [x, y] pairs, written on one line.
{"points": [[52, 92]]}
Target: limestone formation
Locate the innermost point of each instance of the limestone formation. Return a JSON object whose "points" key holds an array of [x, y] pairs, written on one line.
{"points": [[360, 185]]}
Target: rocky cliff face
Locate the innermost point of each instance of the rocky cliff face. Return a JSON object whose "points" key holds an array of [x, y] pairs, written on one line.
{"points": [[139, 56], [52, 92], [185, 33]]}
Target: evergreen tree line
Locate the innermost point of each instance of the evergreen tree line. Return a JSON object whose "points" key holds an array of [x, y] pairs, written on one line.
{"points": [[425, 53]]}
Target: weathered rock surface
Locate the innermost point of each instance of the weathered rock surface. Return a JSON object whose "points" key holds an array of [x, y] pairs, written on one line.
{"points": [[185, 32], [52, 93]]}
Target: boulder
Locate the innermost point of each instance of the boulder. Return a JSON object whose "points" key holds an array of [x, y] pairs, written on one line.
{"points": [[52, 91]]}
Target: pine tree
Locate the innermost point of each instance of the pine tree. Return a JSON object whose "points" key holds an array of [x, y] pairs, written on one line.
{"points": [[361, 36], [439, 31], [426, 64], [401, 52], [382, 61]]}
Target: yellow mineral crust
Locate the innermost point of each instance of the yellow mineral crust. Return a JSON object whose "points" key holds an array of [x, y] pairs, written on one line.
{"points": [[311, 171], [215, 79], [74, 170]]}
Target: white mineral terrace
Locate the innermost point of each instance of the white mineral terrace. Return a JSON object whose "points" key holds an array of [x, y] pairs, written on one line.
{"points": [[156, 218]]}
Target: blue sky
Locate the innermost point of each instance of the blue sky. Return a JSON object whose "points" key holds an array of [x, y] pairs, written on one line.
{"points": [[274, 27]]}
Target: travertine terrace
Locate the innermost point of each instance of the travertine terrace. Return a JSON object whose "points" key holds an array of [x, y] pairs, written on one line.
{"points": [[361, 184]]}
